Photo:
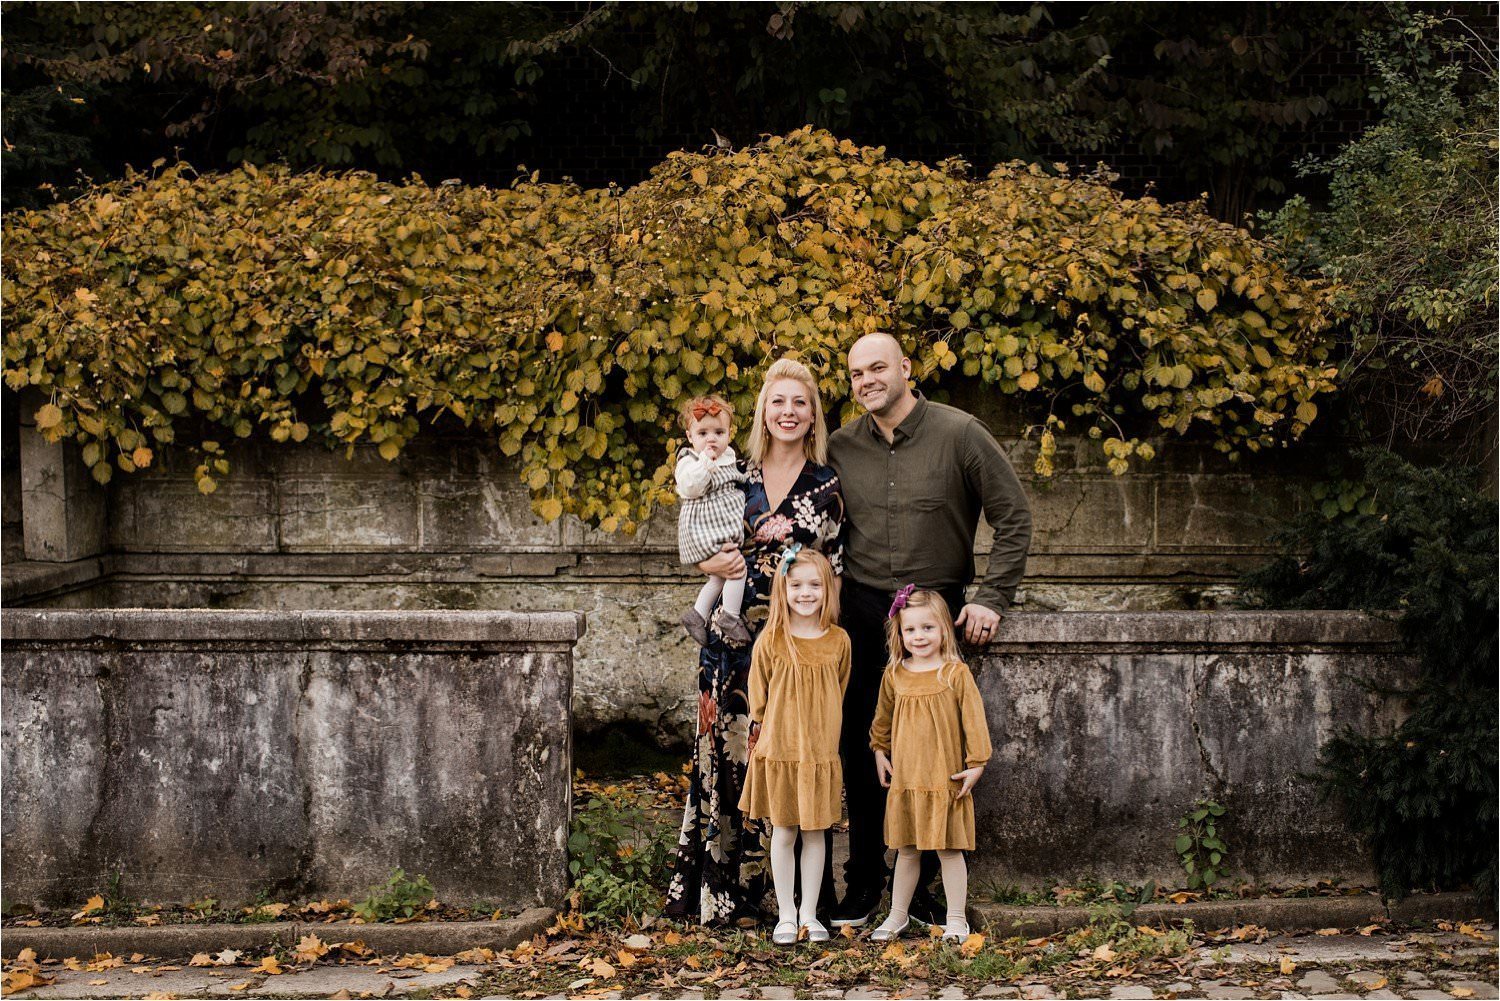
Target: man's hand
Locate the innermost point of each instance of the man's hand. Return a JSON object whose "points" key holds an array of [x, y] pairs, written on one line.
{"points": [[728, 563], [883, 769], [977, 624], [969, 776]]}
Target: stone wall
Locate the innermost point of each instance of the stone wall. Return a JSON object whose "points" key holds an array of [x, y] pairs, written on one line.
{"points": [[448, 525], [212, 753], [1107, 727]]}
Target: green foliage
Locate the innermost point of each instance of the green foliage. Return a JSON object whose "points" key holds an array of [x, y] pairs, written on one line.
{"points": [[1424, 796], [400, 897], [1199, 844], [619, 856], [1110, 937], [571, 324], [1410, 230]]}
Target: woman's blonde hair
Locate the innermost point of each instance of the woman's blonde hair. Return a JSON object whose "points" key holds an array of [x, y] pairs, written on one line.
{"points": [[947, 648], [815, 445], [777, 634]]}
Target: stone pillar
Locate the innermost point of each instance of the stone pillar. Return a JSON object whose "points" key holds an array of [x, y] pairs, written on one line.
{"points": [[62, 508]]}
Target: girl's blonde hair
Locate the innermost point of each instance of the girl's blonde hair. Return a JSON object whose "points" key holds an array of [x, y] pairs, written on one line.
{"points": [[947, 648], [815, 445], [777, 634]]}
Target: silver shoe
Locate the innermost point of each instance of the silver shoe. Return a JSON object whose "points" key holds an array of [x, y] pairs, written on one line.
{"points": [[785, 933], [887, 934], [815, 931], [956, 932]]}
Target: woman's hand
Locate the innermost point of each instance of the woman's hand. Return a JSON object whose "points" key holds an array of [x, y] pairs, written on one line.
{"points": [[968, 777], [728, 563], [883, 769]]}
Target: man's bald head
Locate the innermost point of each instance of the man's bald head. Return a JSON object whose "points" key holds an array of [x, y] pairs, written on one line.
{"points": [[878, 370], [878, 343]]}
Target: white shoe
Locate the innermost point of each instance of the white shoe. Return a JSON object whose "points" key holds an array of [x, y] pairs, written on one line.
{"points": [[956, 932], [785, 933], [815, 931], [888, 932]]}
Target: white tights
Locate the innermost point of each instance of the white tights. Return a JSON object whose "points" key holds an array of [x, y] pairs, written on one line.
{"points": [[784, 872], [904, 884]]}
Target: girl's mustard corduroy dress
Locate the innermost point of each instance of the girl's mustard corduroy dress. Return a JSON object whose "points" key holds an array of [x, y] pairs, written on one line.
{"points": [[794, 777], [932, 725]]}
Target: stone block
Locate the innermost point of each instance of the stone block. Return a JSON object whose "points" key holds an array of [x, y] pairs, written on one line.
{"points": [[333, 514], [221, 753], [153, 511], [62, 508], [1221, 512], [487, 511], [1091, 514]]}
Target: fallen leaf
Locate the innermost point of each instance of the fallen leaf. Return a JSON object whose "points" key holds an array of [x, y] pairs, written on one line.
{"points": [[463, 991], [310, 949], [269, 965], [1182, 897], [1375, 985], [168, 969], [358, 947], [148, 920], [1369, 930], [1104, 953], [1287, 966], [240, 987], [672, 938], [638, 943], [94, 904], [602, 970], [625, 958], [72, 963], [160, 996], [1474, 933], [893, 951], [972, 945], [476, 957], [20, 980], [1461, 992], [1327, 931], [97, 983], [342, 995]]}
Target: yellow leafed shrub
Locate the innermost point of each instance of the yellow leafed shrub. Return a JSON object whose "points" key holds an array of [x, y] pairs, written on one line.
{"points": [[570, 324]]}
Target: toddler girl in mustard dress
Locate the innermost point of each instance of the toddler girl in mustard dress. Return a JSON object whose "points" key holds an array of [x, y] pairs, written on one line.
{"points": [[799, 669], [931, 743]]}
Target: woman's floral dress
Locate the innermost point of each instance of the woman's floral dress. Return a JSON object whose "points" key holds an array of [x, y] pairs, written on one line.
{"points": [[722, 863]]}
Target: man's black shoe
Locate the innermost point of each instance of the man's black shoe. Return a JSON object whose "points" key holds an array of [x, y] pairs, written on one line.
{"points": [[856, 909], [925, 910]]}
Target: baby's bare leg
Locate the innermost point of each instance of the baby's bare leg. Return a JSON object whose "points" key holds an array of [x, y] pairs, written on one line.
{"points": [[710, 594]]}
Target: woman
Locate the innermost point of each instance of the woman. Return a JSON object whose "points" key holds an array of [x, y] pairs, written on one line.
{"points": [[792, 495]]}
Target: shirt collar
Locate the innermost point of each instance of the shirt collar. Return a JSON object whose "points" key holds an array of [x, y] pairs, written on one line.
{"points": [[907, 429]]}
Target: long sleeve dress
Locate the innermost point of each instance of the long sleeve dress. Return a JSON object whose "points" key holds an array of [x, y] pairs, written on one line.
{"points": [[722, 863], [795, 777], [932, 724]]}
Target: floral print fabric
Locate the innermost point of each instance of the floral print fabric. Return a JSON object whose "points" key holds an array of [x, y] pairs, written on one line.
{"points": [[722, 862]]}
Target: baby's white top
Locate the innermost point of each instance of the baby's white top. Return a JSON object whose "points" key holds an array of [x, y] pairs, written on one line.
{"points": [[694, 471]]}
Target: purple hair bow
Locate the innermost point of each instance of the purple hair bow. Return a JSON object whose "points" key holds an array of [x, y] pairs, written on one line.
{"points": [[899, 602]]}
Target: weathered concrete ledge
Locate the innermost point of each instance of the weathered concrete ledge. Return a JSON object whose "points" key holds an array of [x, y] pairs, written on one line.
{"points": [[1274, 914], [301, 628], [224, 753], [1108, 726], [437, 938]]}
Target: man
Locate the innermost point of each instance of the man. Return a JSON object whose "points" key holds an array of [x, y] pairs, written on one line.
{"points": [[915, 477]]}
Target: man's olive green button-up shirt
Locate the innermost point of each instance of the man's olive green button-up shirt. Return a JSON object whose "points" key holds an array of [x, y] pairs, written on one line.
{"points": [[912, 504]]}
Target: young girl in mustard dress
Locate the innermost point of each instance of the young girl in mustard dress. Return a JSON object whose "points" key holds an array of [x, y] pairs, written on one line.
{"points": [[931, 743], [799, 669]]}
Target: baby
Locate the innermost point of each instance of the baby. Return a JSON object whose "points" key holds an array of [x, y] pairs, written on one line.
{"points": [[713, 513]]}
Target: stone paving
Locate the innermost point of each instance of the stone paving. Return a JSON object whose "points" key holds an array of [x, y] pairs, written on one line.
{"points": [[1416, 965]]}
